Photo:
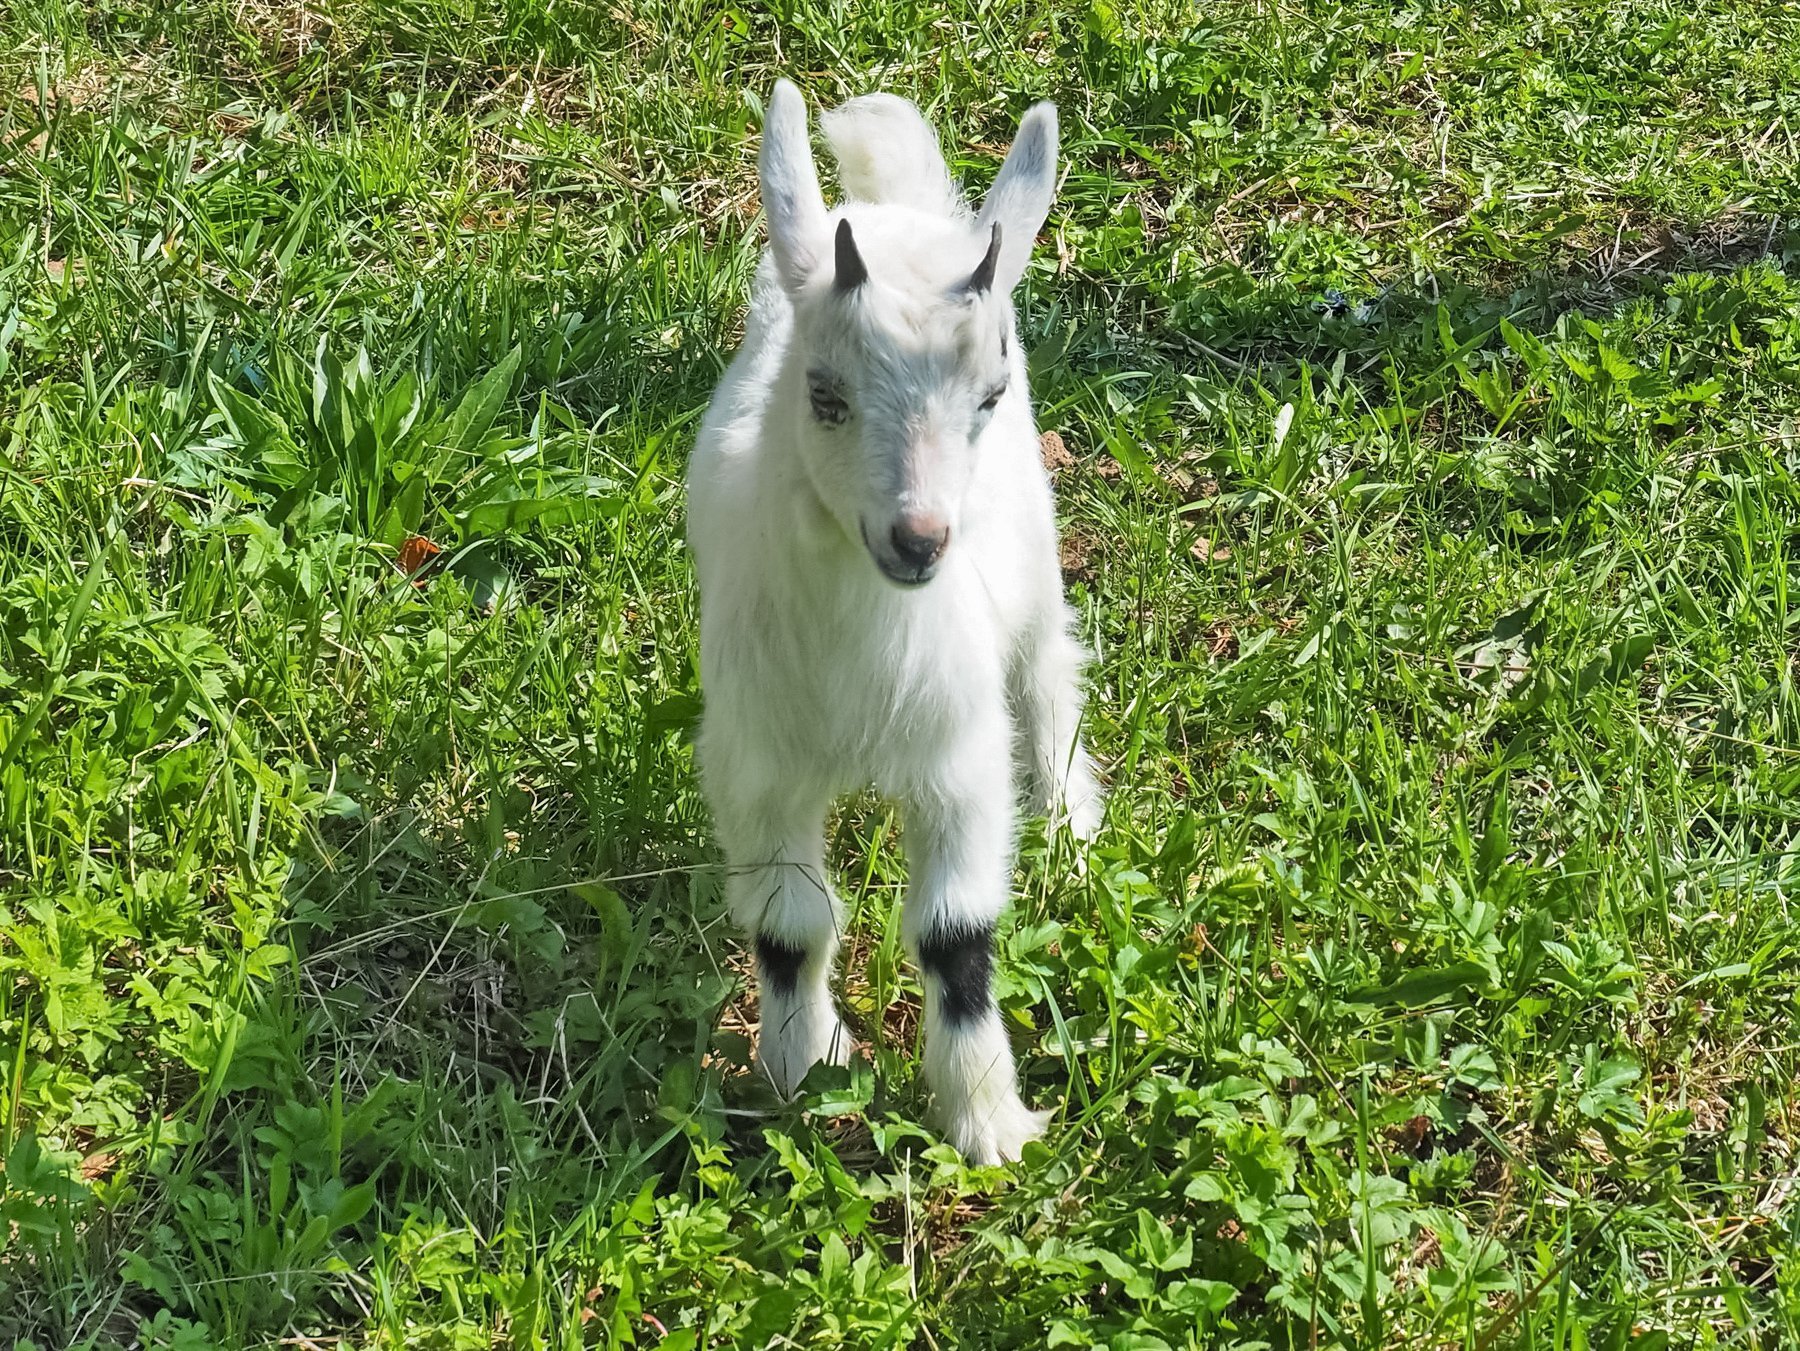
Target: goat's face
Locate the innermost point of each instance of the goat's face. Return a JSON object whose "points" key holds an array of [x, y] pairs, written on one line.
{"points": [[901, 373], [903, 330]]}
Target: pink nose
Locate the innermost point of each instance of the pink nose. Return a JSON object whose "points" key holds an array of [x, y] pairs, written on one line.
{"points": [[919, 540]]}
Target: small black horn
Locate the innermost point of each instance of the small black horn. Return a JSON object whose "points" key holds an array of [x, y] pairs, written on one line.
{"points": [[983, 278], [850, 270]]}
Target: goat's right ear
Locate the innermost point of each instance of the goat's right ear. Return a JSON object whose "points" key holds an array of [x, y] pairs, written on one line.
{"points": [[1020, 197], [798, 228]]}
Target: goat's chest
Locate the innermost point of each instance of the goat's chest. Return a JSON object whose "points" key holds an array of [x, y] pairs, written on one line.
{"points": [[863, 677]]}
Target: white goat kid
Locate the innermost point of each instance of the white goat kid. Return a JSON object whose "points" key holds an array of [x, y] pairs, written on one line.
{"points": [[880, 597]]}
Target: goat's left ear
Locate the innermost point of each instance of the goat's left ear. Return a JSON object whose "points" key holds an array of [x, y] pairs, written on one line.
{"points": [[1020, 197]]}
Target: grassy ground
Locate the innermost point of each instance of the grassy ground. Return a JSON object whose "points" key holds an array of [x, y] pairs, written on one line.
{"points": [[1426, 379]]}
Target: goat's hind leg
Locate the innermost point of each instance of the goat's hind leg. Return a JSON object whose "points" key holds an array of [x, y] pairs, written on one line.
{"points": [[779, 894], [1047, 701]]}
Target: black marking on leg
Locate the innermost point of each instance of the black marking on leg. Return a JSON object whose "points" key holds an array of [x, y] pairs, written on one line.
{"points": [[780, 962], [962, 961]]}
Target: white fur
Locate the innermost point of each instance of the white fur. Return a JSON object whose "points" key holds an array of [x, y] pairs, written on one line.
{"points": [[886, 152], [821, 674]]}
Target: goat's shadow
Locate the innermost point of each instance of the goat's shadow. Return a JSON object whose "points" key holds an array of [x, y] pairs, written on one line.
{"points": [[567, 981]]}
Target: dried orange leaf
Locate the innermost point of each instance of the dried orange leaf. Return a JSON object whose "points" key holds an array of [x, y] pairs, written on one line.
{"points": [[415, 554]]}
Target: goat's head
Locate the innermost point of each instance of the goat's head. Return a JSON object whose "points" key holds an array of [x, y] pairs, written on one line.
{"points": [[903, 330]]}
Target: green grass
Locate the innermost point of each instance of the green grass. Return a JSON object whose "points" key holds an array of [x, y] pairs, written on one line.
{"points": [[1429, 378]]}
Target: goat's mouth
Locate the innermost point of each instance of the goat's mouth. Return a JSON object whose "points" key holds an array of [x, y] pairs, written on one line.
{"points": [[906, 576], [903, 576]]}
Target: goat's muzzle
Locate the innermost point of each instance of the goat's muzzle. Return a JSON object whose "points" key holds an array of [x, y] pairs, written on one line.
{"points": [[914, 546]]}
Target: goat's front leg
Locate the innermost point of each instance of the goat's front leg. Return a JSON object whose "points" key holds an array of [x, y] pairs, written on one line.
{"points": [[779, 894], [959, 845]]}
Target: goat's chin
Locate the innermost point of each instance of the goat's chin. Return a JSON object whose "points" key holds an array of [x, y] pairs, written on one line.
{"points": [[906, 579]]}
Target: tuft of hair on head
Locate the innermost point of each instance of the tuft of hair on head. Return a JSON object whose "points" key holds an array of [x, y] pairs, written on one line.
{"points": [[888, 153]]}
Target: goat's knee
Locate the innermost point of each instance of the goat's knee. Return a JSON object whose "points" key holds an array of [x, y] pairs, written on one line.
{"points": [[968, 1059], [959, 888], [957, 961], [800, 1023], [791, 919]]}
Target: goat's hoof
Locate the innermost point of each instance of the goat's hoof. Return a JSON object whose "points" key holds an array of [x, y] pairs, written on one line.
{"points": [[784, 1057], [997, 1135], [1084, 824], [1083, 820], [1084, 817]]}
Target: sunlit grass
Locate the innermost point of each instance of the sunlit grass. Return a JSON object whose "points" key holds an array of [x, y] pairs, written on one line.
{"points": [[1425, 383]]}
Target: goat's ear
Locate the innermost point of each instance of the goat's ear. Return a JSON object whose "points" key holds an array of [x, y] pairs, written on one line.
{"points": [[798, 227], [1020, 197]]}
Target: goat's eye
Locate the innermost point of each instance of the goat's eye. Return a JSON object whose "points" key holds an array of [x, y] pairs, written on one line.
{"points": [[828, 405], [993, 399]]}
